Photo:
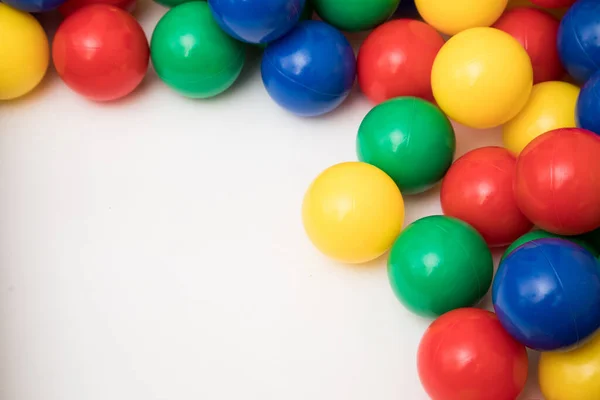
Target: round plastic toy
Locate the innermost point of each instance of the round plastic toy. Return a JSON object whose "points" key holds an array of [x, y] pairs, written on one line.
{"points": [[550, 106], [580, 240], [571, 375], [466, 354], [439, 264], [23, 42], [410, 139], [546, 294], [396, 59], [554, 3], [536, 30], [578, 43], [482, 77], [557, 185], [34, 6], [70, 6], [355, 15], [452, 17], [478, 189], [353, 212], [256, 21], [101, 52], [588, 105], [192, 55], [311, 70]]}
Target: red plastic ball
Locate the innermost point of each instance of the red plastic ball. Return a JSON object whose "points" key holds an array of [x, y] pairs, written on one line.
{"points": [[558, 181], [537, 31], [396, 60], [70, 6], [466, 354], [554, 3], [478, 189], [101, 52]]}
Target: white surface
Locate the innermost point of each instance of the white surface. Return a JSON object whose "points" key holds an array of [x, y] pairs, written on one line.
{"points": [[152, 249]]}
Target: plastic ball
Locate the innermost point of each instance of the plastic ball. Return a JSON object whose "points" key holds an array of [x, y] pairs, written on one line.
{"points": [[256, 21], [70, 6], [550, 106], [580, 240], [466, 354], [34, 6], [578, 44], [352, 212], [588, 105], [554, 3], [396, 59], [557, 185], [546, 294], [311, 70], [482, 77], [478, 189], [101, 52], [192, 55], [452, 17], [571, 375], [409, 139], [556, 12], [439, 264], [536, 30], [355, 15], [23, 42]]}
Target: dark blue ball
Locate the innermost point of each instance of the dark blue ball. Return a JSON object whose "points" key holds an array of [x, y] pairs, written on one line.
{"points": [[588, 105], [546, 294], [311, 70], [579, 39], [256, 21], [34, 6]]}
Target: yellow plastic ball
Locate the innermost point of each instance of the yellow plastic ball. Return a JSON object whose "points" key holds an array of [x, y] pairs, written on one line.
{"points": [[24, 53], [550, 106], [572, 375], [353, 212], [482, 77], [454, 16]]}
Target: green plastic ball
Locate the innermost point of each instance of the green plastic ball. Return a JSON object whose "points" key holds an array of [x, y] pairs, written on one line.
{"points": [[581, 240], [191, 53], [410, 139], [173, 3], [439, 264], [355, 15]]}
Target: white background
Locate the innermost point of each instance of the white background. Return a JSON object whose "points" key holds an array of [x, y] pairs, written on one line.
{"points": [[152, 249]]}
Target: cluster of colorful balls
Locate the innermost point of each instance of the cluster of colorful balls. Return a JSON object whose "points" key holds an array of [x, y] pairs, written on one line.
{"points": [[531, 68]]}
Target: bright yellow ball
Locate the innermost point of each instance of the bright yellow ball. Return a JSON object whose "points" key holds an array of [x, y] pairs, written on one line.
{"points": [[572, 375], [353, 212], [24, 53], [550, 106], [482, 77], [454, 16]]}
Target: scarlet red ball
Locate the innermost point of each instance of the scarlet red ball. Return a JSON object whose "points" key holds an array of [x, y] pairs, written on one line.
{"points": [[396, 60], [558, 183], [466, 353], [101, 52], [70, 6], [537, 31], [478, 189]]}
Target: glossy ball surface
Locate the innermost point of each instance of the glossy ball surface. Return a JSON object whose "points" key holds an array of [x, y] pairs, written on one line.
{"points": [[396, 60], [482, 77], [550, 106], [439, 264], [578, 44], [352, 212], [34, 6], [256, 21], [557, 185], [410, 139], [23, 42], [580, 240], [546, 294], [311, 70], [355, 15], [588, 105], [101, 52], [466, 354], [452, 17], [478, 189], [192, 55], [70, 6]]}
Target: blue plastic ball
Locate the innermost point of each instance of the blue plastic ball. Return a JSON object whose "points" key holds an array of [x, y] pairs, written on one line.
{"points": [[34, 6], [256, 21], [579, 39], [546, 294], [311, 70], [588, 105]]}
